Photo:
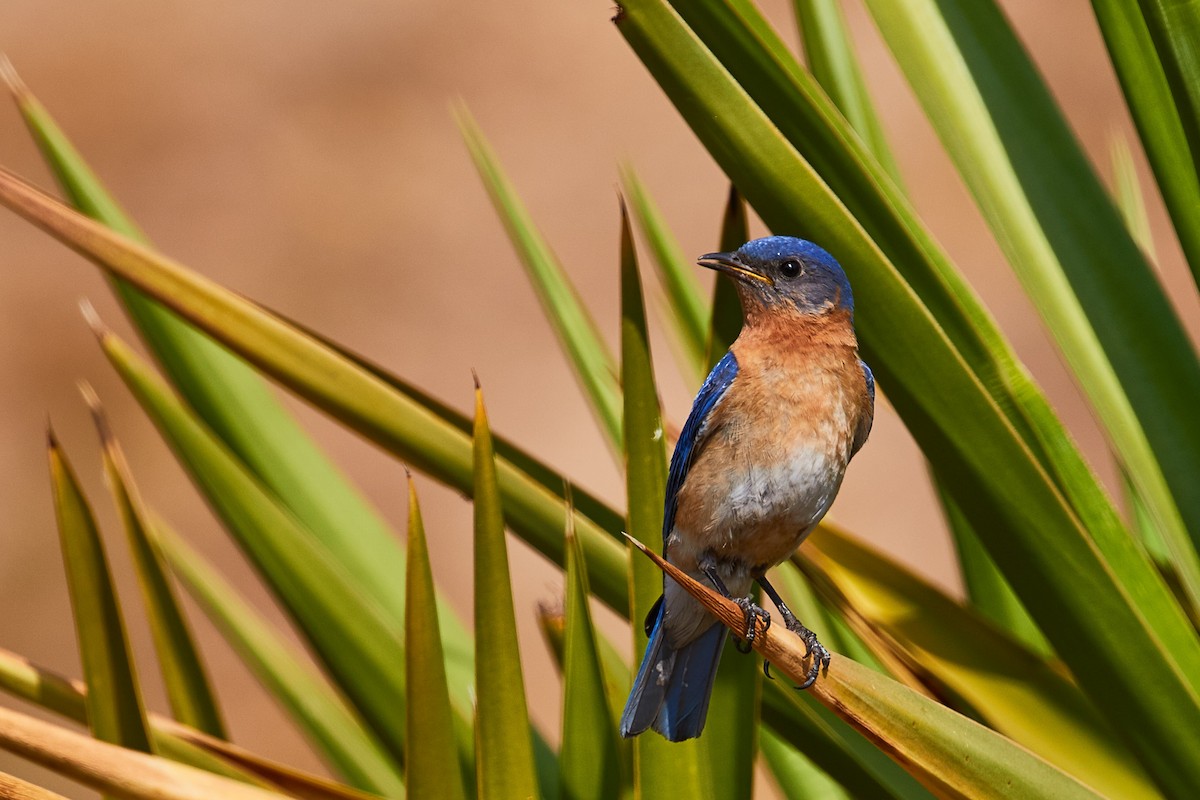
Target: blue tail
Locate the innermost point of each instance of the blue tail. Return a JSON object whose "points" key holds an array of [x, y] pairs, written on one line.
{"points": [[672, 688]]}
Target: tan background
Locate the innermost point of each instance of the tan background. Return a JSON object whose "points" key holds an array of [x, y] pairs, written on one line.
{"points": [[304, 153]]}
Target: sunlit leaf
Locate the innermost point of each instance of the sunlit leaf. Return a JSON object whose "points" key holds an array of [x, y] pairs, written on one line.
{"points": [[948, 752], [590, 760], [430, 743], [184, 675], [115, 711], [114, 770], [320, 713], [504, 755]]}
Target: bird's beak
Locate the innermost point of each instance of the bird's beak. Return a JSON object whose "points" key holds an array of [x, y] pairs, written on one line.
{"points": [[731, 265]]}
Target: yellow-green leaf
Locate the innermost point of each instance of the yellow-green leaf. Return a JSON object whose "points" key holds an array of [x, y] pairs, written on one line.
{"points": [[430, 764], [115, 710], [504, 763]]}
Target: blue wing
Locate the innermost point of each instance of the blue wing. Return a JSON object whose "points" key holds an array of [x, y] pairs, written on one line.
{"points": [[868, 417], [690, 438]]}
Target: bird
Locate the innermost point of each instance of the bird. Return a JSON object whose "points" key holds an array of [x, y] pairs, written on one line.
{"points": [[756, 466]]}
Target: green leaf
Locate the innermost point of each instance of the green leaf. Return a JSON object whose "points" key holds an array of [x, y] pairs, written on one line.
{"points": [[577, 332], [994, 674], [738, 35], [1152, 106], [116, 771], [236, 403], [115, 711], [21, 678], [689, 316], [591, 764], [411, 426], [1074, 593], [951, 754], [348, 632], [184, 675], [726, 322], [1127, 191], [1067, 244], [661, 769], [335, 730], [829, 52], [988, 590], [429, 720], [796, 776], [504, 753]]}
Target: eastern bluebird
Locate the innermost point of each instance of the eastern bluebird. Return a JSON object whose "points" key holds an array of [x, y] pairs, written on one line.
{"points": [[757, 465]]}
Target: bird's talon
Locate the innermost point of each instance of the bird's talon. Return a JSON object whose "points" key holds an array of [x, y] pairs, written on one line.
{"points": [[754, 613], [767, 670]]}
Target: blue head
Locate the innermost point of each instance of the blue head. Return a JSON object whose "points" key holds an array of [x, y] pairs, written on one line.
{"points": [[784, 274]]}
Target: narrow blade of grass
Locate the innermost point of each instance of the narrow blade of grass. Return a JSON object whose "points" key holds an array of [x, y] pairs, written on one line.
{"points": [[184, 675], [591, 764], [114, 770], [1175, 29], [116, 713], [504, 753], [688, 315], [430, 737], [337, 733], [577, 333], [661, 769], [993, 673], [949, 753]]}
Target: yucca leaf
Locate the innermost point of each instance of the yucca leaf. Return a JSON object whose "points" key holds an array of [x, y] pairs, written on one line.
{"points": [[348, 632], [289, 780], [738, 35], [661, 769], [1065, 240], [115, 711], [726, 322], [949, 753], [586, 351], [430, 738], [689, 317], [615, 668], [184, 676], [829, 52], [994, 674], [116, 771], [21, 678], [322, 716], [1127, 192], [1071, 589], [504, 754], [987, 589], [12, 788], [590, 756], [1152, 106], [235, 402], [357, 394], [1175, 28], [796, 776]]}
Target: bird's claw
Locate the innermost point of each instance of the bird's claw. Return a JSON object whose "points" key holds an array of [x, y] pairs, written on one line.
{"points": [[812, 649], [753, 613]]}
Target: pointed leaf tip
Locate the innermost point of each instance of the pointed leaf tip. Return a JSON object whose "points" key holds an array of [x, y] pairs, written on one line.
{"points": [[92, 317], [10, 77]]}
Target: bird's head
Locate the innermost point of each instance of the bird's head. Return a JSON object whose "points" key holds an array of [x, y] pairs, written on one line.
{"points": [[783, 274]]}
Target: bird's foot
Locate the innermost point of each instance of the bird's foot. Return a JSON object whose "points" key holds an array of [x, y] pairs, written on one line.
{"points": [[812, 649], [754, 613]]}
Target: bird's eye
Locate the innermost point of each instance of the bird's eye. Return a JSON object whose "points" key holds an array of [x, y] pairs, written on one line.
{"points": [[790, 268]]}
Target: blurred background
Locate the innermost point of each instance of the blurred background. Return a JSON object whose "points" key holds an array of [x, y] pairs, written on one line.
{"points": [[305, 155]]}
